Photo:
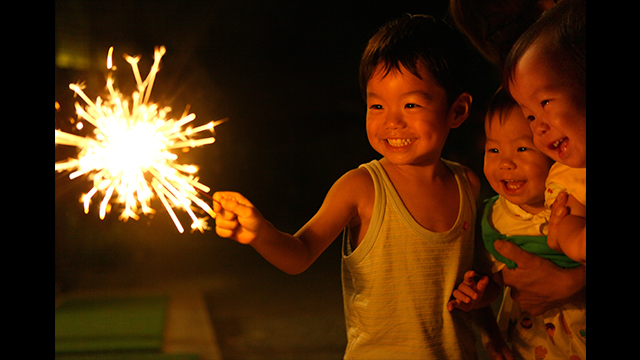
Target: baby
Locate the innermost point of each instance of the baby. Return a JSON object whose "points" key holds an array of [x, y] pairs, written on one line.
{"points": [[545, 73], [517, 171]]}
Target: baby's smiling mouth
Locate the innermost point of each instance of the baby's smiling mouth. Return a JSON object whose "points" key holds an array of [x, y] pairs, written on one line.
{"points": [[399, 142], [558, 143], [513, 184]]}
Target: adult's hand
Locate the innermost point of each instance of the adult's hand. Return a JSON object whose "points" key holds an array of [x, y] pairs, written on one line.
{"points": [[538, 284]]}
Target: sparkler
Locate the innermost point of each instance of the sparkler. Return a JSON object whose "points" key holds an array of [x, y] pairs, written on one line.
{"points": [[129, 158]]}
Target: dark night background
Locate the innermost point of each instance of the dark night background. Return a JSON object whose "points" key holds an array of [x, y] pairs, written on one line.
{"points": [[284, 73]]}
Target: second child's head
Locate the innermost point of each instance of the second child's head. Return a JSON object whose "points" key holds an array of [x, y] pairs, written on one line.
{"points": [[513, 165], [412, 75], [545, 73]]}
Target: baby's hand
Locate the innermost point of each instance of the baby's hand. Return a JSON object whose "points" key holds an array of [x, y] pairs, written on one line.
{"points": [[468, 293], [236, 217], [558, 212]]}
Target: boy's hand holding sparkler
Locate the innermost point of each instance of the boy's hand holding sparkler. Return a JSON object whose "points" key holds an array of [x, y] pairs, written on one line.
{"points": [[236, 217]]}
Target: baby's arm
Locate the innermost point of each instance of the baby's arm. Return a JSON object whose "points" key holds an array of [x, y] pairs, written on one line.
{"points": [[238, 219], [476, 297], [568, 228]]}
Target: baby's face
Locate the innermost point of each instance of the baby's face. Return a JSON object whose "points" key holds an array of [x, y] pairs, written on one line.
{"points": [[555, 105], [513, 165]]}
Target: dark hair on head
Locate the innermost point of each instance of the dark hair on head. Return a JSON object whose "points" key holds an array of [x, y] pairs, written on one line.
{"points": [[562, 32], [494, 25], [413, 38], [501, 104]]}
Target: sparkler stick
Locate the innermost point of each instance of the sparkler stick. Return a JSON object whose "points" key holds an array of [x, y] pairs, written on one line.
{"points": [[128, 159]]}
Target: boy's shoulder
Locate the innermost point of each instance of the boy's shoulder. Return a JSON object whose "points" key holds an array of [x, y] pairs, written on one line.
{"points": [[355, 187], [353, 192], [355, 180]]}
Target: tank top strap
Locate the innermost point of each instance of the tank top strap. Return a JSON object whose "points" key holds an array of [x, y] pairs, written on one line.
{"points": [[460, 173]]}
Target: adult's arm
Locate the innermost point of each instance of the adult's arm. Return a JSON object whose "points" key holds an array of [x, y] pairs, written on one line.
{"points": [[537, 283]]}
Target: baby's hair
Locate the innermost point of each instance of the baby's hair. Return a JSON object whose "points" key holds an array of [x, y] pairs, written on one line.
{"points": [[413, 38], [562, 33], [500, 105]]}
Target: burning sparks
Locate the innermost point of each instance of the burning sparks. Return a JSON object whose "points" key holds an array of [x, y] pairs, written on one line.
{"points": [[129, 159]]}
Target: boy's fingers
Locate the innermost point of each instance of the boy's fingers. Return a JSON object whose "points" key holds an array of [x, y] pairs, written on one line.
{"points": [[226, 228], [241, 210]]}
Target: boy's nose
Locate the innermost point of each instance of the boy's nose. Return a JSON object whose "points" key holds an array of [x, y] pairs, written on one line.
{"points": [[394, 121]]}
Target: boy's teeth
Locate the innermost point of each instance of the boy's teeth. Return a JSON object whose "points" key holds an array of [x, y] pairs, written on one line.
{"points": [[399, 142]]}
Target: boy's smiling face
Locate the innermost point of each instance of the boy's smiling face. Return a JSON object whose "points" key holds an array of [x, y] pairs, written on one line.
{"points": [[513, 165], [408, 118]]}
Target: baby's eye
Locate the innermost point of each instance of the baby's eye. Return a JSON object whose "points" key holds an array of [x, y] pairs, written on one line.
{"points": [[492, 151], [410, 106], [544, 103], [375, 107], [531, 118], [521, 149]]}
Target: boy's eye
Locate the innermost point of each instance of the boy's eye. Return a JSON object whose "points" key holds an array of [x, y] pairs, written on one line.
{"points": [[531, 118], [493, 151], [375, 107], [410, 106], [544, 103], [521, 149]]}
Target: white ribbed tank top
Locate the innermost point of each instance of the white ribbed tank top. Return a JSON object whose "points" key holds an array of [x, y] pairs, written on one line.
{"points": [[397, 282]]}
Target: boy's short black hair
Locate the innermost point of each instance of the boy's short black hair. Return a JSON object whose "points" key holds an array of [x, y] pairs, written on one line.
{"points": [[413, 38]]}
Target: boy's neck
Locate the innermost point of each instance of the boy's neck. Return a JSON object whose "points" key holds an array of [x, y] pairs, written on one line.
{"points": [[425, 172]]}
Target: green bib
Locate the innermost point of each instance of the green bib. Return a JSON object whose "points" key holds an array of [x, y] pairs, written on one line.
{"points": [[533, 244]]}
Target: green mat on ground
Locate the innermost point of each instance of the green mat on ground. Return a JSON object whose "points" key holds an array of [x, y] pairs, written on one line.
{"points": [[129, 356], [110, 324]]}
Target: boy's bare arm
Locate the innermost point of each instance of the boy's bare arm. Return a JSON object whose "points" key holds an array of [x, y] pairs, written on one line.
{"points": [[238, 219]]}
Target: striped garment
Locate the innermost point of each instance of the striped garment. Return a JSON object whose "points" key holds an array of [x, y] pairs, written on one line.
{"points": [[397, 282]]}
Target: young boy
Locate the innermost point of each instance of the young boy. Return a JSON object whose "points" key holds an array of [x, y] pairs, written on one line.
{"points": [[409, 217], [517, 171]]}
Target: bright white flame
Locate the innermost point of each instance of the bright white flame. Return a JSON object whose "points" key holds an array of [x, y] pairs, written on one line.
{"points": [[129, 159], [109, 58]]}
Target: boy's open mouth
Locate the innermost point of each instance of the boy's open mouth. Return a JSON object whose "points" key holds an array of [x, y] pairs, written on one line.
{"points": [[399, 142]]}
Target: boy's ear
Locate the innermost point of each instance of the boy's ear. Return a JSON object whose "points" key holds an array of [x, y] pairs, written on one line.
{"points": [[459, 110]]}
